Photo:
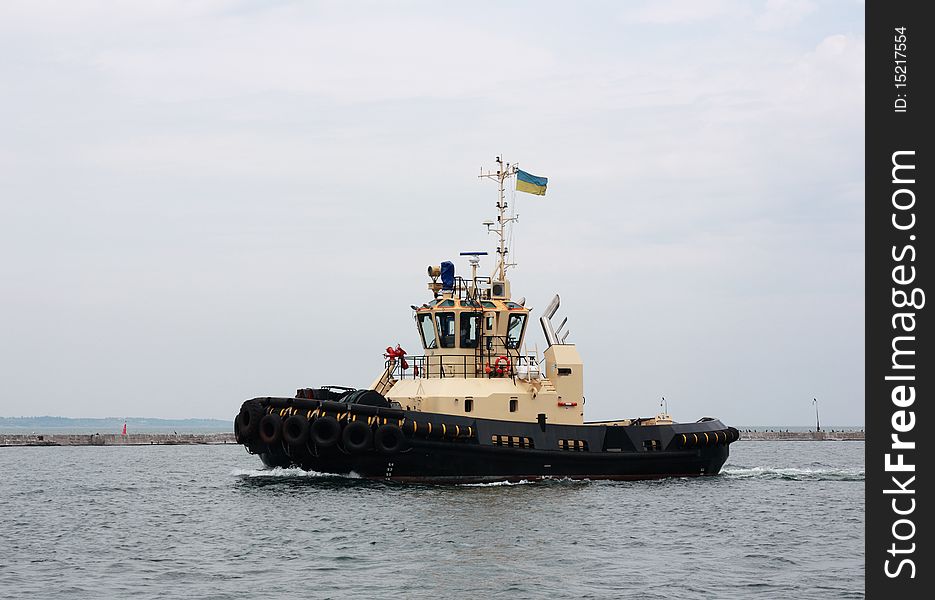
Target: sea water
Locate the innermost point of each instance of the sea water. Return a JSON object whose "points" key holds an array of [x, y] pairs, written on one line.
{"points": [[782, 520]]}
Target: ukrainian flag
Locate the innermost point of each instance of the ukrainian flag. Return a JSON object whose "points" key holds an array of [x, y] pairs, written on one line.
{"points": [[530, 183]]}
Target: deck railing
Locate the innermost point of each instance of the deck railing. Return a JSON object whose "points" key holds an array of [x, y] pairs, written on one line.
{"points": [[463, 289], [464, 366]]}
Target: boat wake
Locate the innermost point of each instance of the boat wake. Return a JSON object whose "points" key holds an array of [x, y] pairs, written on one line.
{"points": [[793, 473], [498, 483], [293, 473]]}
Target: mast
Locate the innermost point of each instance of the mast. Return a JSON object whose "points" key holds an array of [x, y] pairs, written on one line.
{"points": [[504, 172]]}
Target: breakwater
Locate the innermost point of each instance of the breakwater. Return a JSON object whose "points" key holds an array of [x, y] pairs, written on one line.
{"points": [[114, 439], [798, 436], [168, 439]]}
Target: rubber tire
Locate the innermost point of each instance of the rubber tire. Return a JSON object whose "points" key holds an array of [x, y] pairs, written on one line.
{"points": [[389, 439], [270, 429], [357, 437], [295, 431], [238, 436], [248, 421], [325, 432]]}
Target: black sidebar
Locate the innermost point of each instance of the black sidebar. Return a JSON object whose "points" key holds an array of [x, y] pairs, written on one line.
{"points": [[900, 368]]}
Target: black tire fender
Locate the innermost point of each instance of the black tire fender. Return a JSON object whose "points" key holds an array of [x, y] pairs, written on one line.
{"points": [[357, 437], [270, 429], [389, 439], [247, 422], [325, 431], [237, 433], [295, 431]]}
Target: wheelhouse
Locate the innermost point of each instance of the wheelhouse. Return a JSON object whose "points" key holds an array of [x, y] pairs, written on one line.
{"points": [[465, 326], [466, 329]]}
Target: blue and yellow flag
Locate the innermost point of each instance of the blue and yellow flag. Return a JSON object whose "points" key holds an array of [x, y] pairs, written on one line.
{"points": [[530, 183]]}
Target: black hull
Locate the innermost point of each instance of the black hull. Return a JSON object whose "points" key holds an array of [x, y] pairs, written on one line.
{"points": [[461, 450]]}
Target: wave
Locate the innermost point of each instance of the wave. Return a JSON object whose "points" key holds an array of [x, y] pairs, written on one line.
{"points": [[497, 483], [730, 472], [545, 480], [290, 473], [793, 473]]}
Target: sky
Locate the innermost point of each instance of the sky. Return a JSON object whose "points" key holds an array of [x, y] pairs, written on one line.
{"points": [[206, 201]]}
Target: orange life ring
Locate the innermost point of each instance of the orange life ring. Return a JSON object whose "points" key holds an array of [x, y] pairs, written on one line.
{"points": [[501, 360]]}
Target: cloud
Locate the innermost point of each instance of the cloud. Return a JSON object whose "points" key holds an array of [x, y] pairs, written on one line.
{"points": [[210, 177], [671, 12], [341, 60], [779, 14]]}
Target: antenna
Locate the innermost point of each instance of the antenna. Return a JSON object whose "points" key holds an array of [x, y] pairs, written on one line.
{"points": [[817, 422], [664, 405], [474, 259], [504, 171]]}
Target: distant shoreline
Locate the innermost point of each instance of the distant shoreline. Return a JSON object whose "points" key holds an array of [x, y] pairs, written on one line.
{"points": [[187, 439], [48, 425], [802, 436], [116, 439]]}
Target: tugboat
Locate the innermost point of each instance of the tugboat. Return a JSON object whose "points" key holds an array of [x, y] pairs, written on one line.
{"points": [[476, 406]]}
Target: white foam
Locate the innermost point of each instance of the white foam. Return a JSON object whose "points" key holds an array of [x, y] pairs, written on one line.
{"points": [[793, 473], [290, 472], [497, 483]]}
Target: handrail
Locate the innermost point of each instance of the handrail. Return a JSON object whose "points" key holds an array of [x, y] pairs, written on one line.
{"points": [[461, 289], [441, 366]]}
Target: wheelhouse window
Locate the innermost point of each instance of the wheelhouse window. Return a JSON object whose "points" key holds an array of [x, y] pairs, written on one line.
{"points": [[470, 329], [427, 330], [514, 330], [446, 329]]}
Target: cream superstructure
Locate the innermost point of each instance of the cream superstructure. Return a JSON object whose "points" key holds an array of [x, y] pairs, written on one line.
{"points": [[475, 360]]}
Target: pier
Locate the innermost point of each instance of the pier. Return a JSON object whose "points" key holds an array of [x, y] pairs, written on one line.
{"points": [[170, 439], [801, 436], [114, 439]]}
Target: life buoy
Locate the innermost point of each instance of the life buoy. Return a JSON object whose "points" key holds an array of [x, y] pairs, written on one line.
{"points": [[356, 437], [295, 431], [270, 429], [502, 360], [389, 439], [325, 432]]}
